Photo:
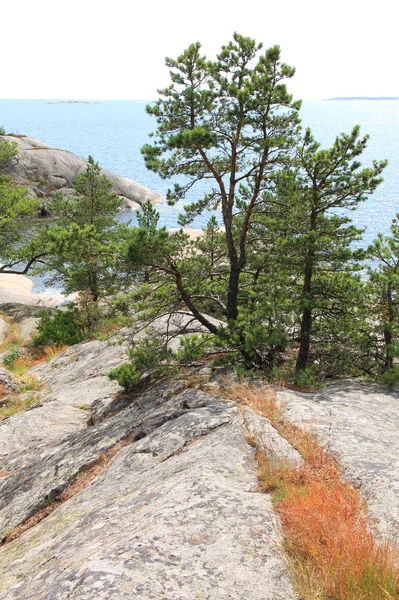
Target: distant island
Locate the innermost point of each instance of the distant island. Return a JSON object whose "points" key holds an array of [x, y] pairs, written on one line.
{"points": [[73, 102], [363, 98]]}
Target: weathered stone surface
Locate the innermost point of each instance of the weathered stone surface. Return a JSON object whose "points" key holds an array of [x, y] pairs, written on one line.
{"points": [[127, 204], [71, 383], [174, 516], [34, 477], [56, 181], [25, 315], [16, 289], [29, 431], [360, 422], [268, 438], [44, 168], [82, 364], [8, 381], [66, 192], [3, 329]]}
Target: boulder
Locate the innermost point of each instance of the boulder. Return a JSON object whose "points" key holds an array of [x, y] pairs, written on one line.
{"points": [[44, 168], [56, 181], [16, 289], [67, 192], [127, 204], [25, 315]]}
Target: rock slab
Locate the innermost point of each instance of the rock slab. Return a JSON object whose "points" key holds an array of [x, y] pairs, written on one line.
{"points": [[174, 516]]}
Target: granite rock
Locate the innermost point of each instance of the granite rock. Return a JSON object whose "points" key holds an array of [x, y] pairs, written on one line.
{"points": [[45, 169], [174, 516]]}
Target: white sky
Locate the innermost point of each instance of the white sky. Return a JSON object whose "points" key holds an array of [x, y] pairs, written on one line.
{"points": [[114, 49]]}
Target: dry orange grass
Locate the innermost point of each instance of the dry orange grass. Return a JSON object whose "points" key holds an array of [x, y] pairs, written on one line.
{"points": [[327, 535], [263, 400], [46, 353], [327, 531], [36, 356]]}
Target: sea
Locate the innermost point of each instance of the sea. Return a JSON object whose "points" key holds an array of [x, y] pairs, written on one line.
{"points": [[114, 131]]}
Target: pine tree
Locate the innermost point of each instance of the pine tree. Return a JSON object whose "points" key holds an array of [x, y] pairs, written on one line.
{"points": [[83, 245], [14, 204], [232, 122], [384, 290], [325, 185]]}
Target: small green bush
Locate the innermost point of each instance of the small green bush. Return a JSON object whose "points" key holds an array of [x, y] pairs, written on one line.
{"points": [[192, 348], [2, 130], [148, 357], [59, 328], [12, 355], [305, 377], [391, 377]]}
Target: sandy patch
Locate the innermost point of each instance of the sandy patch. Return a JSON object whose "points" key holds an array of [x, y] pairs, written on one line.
{"points": [[18, 289], [193, 233]]}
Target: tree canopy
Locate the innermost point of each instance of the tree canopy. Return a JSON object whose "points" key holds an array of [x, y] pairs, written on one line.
{"points": [[276, 281], [230, 121], [14, 204], [82, 243], [281, 268]]}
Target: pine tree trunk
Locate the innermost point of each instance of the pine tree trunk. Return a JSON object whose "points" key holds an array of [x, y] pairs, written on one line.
{"points": [[306, 327], [388, 338], [232, 294], [306, 322], [388, 343]]}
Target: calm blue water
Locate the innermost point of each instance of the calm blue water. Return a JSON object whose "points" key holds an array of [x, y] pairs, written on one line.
{"points": [[113, 132]]}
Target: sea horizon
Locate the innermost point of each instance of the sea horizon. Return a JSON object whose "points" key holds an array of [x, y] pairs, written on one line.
{"points": [[113, 131]]}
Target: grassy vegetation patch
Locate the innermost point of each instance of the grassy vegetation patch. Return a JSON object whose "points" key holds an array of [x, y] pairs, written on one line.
{"points": [[325, 523], [12, 337], [17, 403], [19, 357]]}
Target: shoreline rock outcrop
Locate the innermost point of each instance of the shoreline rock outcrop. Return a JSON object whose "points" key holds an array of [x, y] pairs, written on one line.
{"points": [[45, 170]]}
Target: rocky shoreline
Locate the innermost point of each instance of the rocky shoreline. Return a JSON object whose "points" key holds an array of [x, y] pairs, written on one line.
{"points": [[17, 289], [45, 170]]}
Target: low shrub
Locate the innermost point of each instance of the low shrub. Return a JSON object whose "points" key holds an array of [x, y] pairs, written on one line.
{"points": [[59, 328], [305, 377], [391, 377], [148, 357], [12, 355]]}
